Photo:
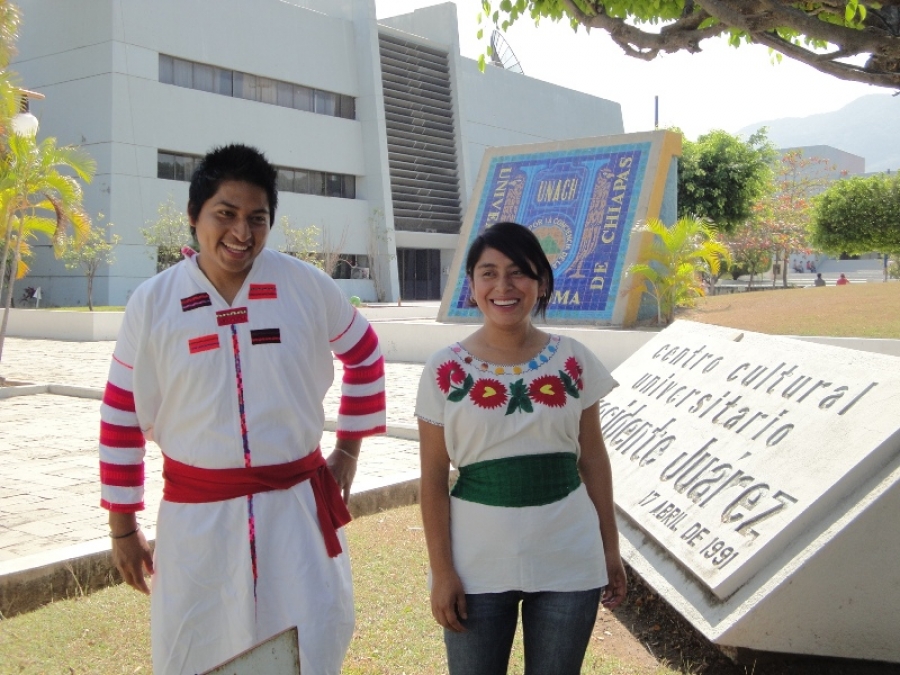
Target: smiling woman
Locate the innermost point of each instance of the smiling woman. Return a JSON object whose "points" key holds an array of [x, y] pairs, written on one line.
{"points": [[530, 520]]}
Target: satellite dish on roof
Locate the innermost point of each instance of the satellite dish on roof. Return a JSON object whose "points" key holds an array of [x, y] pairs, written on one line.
{"points": [[502, 54]]}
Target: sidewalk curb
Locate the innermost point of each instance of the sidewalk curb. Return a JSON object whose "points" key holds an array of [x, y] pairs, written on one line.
{"points": [[31, 582]]}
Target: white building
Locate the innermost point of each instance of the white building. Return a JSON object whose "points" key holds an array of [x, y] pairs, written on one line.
{"points": [[379, 127]]}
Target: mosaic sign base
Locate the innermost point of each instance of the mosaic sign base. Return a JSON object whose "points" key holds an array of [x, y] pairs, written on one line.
{"points": [[582, 199], [744, 464]]}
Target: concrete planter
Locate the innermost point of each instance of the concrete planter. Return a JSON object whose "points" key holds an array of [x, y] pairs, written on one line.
{"points": [[51, 324]]}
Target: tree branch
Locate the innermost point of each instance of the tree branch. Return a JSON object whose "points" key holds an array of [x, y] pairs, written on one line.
{"points": [[760, 21]]}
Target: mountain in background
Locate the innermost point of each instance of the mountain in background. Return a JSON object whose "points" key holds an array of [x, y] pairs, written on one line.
{"points": [[868, 127]]}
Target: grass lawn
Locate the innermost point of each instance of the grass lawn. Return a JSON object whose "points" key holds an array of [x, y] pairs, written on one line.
{"points": [[108, 632], [869, 310]]}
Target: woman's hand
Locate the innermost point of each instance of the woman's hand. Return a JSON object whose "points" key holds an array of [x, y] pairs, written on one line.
{"points": [[342, 463], [448, 601], [617, 586], [131, 555]]}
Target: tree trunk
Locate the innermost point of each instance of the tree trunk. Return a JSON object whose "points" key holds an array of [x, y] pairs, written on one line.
{"points": [[6, 245], [9, 290], [784, 255], [90, 281]]}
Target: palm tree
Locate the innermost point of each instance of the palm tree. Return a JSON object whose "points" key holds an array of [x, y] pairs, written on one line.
{"points": [[678, 257], [36, 197]]}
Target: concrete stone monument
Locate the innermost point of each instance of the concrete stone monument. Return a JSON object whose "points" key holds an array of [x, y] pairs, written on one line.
{"points": [[582, 199], [279, 655], [758, 485]]}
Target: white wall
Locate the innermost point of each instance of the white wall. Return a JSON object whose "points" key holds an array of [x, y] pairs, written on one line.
{"points": [[97, 63], [501, 108], [102, 88]]}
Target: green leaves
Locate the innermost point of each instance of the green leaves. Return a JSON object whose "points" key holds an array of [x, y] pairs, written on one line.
{"points": [[677, 260], [569, 384], [459, 393], [720, 177], [858, 215], [518, 398]]}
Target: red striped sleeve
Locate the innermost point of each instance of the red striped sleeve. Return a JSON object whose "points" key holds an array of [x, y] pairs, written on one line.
{"points": [[362, 405], [122, 475], [362, 350], [364, 374], [116, 436], [360, 434], [122, 508], [118, 398]]}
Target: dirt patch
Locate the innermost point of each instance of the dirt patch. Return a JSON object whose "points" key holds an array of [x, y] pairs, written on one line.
{"points": [[645, 632]]}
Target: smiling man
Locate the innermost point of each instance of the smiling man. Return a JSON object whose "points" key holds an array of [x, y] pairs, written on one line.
{"points": [[225, 359]]}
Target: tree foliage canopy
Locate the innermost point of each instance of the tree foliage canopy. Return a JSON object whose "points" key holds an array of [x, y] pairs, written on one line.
{"points": [[820, 34], [677, 259], [720, 177], [859, 215], [90, 253], [167, 234]]}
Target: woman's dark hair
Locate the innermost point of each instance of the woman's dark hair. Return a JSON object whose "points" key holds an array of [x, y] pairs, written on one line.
{"points": [[519, 244], [231, 162]]}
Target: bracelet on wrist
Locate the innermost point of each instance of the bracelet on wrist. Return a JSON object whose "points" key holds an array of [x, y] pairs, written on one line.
{"points": [[137, 527], [349, 454]]}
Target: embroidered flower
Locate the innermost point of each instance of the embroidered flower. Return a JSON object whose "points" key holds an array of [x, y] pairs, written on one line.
{"points": [[549, 390], [571, 378], [573, 368], [449, 373], [488, 393]]}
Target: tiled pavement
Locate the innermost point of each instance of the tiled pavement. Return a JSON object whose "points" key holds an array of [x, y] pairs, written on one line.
{"points": [[49, 493]]}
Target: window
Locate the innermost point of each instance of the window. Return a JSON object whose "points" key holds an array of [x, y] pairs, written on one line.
{"points": [[284, 94], [351, 267], [224, 83], [334, 185], [165, 166], [326, 103], [349, 187], [166, 69], [184, 74], [303, 98], [348, 107], [176, 166], [301, 181], [203, 77], [285, 182]]}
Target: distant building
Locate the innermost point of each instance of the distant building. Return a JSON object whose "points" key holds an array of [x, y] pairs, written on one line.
{"points": [[839, 165], [378, 129]]}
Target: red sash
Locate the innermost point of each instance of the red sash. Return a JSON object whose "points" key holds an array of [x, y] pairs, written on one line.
{"points": [[184, 484]]}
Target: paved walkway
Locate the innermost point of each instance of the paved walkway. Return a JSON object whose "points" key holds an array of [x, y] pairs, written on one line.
{"points": [[49, 490]]}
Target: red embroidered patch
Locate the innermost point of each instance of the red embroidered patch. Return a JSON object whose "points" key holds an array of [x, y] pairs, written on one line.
{"points": [[263, 292], [195, 301], [265, 336], [203, 343], [227, 317]]}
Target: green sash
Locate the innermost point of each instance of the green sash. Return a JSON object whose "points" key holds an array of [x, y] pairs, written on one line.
{"points": [[528, 480]]}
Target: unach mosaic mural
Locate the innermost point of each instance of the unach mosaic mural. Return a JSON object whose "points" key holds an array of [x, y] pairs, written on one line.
{"points": [[582, 200]]}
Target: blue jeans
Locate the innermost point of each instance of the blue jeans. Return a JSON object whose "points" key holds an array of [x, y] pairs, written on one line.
{"points": [[556, 628]]}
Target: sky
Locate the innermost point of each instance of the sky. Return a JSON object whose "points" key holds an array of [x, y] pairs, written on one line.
{"points": [[719, 88]]}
